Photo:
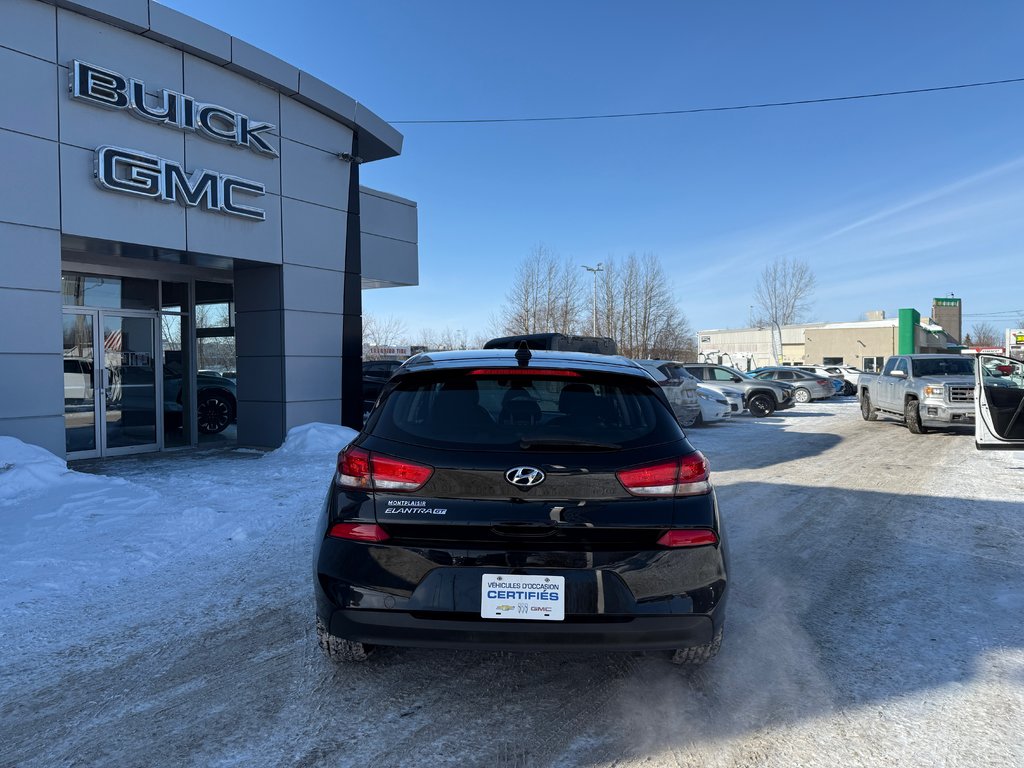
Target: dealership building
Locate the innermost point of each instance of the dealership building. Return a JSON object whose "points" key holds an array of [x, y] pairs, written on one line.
{"points": [[862, 344], [183, 236]]}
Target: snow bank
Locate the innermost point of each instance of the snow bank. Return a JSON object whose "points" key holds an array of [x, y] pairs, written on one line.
{"points": [[25, 467], [316, 438]]}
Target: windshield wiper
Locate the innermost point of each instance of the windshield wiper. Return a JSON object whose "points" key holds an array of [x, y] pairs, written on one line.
{"points": [[529, 443]]}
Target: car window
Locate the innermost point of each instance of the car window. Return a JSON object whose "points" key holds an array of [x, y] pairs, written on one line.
{"points": [[679, 372], [944, 366], [784, 375], [696, 371], [722, 374], [457, 410]]}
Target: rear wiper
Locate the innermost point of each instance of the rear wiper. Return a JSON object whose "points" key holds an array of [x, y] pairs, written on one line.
{"points": [[528, 443]]}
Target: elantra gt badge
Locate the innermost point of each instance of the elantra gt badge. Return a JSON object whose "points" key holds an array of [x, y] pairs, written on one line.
{"points": [[525, 477]]}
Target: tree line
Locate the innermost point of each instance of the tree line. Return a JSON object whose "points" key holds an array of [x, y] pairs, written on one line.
{"points": [[634, 303]]}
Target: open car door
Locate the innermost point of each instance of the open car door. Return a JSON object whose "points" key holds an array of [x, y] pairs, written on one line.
{"points": [[998, 402]]}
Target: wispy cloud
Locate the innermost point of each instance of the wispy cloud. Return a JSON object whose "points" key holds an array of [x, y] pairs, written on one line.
{"points": [[955, 236]]}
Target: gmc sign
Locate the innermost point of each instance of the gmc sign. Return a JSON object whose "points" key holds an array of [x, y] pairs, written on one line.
{"points": [[138, 173]]}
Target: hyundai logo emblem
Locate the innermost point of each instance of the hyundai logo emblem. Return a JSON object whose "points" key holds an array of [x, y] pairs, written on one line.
{"points": [[524, 477]]}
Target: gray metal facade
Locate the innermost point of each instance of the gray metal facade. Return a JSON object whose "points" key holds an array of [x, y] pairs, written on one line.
{"points": [[287, 270]]}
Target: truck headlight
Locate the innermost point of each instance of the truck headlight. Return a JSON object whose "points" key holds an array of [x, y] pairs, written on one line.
{"points": [[931, 391]]}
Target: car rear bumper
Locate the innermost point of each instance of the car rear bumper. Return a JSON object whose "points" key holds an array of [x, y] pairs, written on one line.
{"points": [[465, 631], [392, 595]]}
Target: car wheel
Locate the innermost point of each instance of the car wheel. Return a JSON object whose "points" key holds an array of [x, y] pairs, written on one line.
{"points": [[697, 655], [761, 405], [695, 421], [338, 649], [866, 410], [801, 395], [912, 415], [699, 421], [849, 389], [214, 412]]}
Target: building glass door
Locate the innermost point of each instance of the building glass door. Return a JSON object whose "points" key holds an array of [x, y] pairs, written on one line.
{"points": [[112, 387], [81, 390], [131, 413]]}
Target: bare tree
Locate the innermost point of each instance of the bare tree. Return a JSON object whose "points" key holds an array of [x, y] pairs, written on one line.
{"points": [[985, 335], [387, 331], [547, 296], [782, 296], [638, 310]]}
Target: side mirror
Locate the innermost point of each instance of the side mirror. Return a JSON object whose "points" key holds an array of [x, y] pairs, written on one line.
{"points": [[737, 379], [899, 374]]}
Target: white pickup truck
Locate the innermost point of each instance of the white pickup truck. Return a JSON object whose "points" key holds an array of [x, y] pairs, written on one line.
{"points": [[923, 390]]}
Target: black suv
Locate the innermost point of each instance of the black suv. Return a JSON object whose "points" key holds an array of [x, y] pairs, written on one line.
{"points": [[503, 500]]}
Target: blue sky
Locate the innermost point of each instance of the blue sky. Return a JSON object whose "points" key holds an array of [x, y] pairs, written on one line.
{"points": [[891, 201]]}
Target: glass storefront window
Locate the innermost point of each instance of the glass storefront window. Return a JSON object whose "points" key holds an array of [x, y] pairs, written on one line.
{"points": [[108, 292]]}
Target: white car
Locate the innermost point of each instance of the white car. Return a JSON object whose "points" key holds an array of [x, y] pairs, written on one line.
{"points": [[732, 396], [713, 406], [681, 393]]}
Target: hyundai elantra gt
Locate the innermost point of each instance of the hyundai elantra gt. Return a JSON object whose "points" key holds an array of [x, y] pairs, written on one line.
{"points": [[542, 501]]}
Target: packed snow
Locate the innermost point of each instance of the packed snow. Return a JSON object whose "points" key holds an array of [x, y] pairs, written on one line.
{"points": [[157, 610]]}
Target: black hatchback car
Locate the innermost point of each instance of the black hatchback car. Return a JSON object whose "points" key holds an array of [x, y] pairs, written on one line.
{"points": [[509, 500]]}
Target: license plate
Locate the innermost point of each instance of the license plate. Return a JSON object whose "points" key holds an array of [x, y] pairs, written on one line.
{"points": [[511, 596]]}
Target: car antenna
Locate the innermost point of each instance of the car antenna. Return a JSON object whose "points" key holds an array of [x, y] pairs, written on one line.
{"points": [[523, 354]]}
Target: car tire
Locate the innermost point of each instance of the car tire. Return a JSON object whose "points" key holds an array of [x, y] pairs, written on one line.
{"points": [[912, 416], [338, 649], [801, 395], [698, 655], [761, 405], [867, 412], [849, 389], [694, 422], [214, 412]]}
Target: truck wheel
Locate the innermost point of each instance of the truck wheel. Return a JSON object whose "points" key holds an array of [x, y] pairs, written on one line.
{"points": [[802, 395], [338, 649], [912, 415], [869, 413], [761, 405]]}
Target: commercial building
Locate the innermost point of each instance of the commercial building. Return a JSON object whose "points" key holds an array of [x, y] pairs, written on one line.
{"points": [[176, 200], [863, 344]]}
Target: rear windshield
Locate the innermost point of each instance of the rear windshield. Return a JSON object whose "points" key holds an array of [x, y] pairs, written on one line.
{"points": [[457, 410], [944, 366]]}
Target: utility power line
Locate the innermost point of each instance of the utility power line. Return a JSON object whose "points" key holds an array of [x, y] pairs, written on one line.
{"points": [[698, 110]]}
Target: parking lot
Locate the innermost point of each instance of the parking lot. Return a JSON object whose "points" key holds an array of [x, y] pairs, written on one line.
{"points": [[875, 619]]}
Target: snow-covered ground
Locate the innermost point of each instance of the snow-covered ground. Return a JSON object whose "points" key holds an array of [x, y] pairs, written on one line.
{"points": [[160, 614]]}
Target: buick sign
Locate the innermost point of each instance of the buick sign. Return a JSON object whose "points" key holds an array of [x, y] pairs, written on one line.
{"points": [[138, 173], [109, 89]]}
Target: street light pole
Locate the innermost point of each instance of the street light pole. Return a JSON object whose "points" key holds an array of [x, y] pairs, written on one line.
{"points": [[595, 270]]}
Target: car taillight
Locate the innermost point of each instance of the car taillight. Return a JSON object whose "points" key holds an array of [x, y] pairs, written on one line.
{"points": [[823, 382], [364, 470], [358, 532], [688, 537], [683, 476], [396, 474], [353, 468]]}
